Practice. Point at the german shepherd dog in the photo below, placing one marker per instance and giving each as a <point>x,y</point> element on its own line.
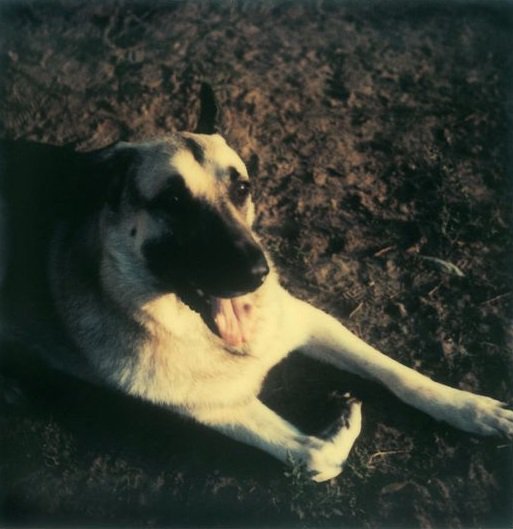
<point>152,281</point>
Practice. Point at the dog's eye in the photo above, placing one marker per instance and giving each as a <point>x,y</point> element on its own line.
<point>239,191</point>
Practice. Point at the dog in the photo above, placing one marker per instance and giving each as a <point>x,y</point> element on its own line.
<point>143,272</point>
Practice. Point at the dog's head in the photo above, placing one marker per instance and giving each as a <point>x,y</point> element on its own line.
<point>181,208</point>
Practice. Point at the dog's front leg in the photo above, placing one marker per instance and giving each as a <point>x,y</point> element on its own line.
<point>324,338</point>
<point>255,424</point>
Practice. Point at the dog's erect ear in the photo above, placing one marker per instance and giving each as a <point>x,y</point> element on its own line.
<point>209,117</point>
<point>108,170</point>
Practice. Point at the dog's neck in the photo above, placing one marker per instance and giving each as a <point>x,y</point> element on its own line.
<point>129,287</point>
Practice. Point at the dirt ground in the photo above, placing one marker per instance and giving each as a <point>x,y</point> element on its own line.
<point>377,135</point>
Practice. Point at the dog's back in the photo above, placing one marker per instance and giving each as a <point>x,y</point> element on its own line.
<point>36,188</point>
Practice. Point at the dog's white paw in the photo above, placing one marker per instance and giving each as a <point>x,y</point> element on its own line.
<point>328,456</point>
<point>481,415</point>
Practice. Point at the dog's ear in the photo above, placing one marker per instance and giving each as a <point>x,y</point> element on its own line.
<point>107,171</point>
<point>210,114</point>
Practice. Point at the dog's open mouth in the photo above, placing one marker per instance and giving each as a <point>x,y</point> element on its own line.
<point>234,318</point>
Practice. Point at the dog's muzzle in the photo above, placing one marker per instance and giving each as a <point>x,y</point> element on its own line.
<point>235,273</point>
<point>248,278</point>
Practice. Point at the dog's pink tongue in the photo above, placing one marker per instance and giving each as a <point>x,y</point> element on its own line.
<point>234,319</point>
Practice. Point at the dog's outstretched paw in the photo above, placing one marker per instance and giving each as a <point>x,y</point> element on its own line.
<point>491,417</point>
<point>328,457</point>
<point>481,415</point>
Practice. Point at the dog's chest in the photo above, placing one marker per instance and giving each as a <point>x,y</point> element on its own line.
<point>184,362</point>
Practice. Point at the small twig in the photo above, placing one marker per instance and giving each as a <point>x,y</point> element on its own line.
<point>356,309</point>
<point>383,251</point>
<point>434,289</point>
<point>496,298</point>
<point>383,453</point>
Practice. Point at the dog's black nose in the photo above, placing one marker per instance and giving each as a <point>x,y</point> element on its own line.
<point>260,269</point>
<point>251,263</point>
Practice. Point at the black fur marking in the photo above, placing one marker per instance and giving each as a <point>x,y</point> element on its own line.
<point>334,427</point>
<point>197,150</point>
<point>201,246</point>
<point>234,174</point>
<point>342,421</point>
<point>108,172</point>
<point>174,199</point>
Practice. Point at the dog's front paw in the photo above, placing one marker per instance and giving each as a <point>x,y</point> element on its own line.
<point>481,415</point>
<point>327,458</point>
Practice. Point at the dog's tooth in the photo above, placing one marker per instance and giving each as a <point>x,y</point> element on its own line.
<point>222,325</point>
